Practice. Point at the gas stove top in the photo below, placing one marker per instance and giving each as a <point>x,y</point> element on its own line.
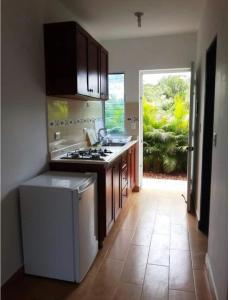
<point>88,154</point>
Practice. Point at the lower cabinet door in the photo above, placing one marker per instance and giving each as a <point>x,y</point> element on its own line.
<point>133,167</point>
<point>116,189</point>
<point>109,199</point>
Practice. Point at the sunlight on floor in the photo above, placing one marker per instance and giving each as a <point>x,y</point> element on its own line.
<point>165,184</point>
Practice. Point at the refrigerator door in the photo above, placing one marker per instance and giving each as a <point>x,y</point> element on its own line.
<point>47,231</point>
<point>85,229</point>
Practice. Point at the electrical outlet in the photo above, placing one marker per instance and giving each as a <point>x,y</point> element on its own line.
<point>57,135</point>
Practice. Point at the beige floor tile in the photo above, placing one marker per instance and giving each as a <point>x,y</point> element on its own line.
<point>179,242</point>
<point>159,257</point>
<point>128,291</point>
<point>162,224</point>
<point>83,289</point>
<point>135,265</point>
<point>120,246</point>
<point>179,229</point>
<point>142,236</point>
<point>159,250</point>
<point>106,281</point>
<point>155,283</point>
<point>160,241</point>
<point>131,221</point>
<point>181,275</point>
<point>181,295</point>
<point>201,285</point>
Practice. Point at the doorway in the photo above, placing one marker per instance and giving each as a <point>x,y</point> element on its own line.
<point>208,137</point>
<point>167,125</point>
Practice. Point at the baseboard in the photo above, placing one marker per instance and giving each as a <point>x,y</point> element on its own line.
<point>16,276</point>
<point>211,278</point>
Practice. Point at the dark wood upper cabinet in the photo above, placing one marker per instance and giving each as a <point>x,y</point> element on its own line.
<point>103,74</point>
<point>94,68</point>
<point>82,63</point>
<point>73,62</point>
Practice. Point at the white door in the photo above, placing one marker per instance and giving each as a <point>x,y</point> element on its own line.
<point>85,218</point>
<point>140,176</point>
<point>191,139</point>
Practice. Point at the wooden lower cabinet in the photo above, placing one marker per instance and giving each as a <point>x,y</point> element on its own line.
<point>132,158</point>
<point>113,194</point>
<point>116,189</point>
<point>109,199</point>
<point>131,165</point>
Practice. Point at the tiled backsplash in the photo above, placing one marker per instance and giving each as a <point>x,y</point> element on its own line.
<point>70,118</point>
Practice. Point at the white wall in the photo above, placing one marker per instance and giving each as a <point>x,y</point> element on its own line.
<point>24,140</point>
<point>160,52</point>
<point>214,23</point>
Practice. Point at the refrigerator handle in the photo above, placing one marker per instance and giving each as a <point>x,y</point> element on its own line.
<point>84,187</point>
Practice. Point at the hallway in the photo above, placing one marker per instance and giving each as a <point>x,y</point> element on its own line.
<point>154,251</point>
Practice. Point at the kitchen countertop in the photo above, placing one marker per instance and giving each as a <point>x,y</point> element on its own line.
<point>116,152</point>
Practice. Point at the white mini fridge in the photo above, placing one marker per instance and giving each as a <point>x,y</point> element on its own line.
<point>59,224</point>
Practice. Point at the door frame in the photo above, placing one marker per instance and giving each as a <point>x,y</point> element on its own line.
<point>141,73</point>
<point>208,135</point>
<point>192,142</point>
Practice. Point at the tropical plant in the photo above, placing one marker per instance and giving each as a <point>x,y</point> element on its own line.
<point>165,125</point>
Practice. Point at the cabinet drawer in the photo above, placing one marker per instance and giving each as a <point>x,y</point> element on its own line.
<point>124,195</point>
<point>124,178</point>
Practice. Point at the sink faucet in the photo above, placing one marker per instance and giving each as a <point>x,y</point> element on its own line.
<point>100,136</point>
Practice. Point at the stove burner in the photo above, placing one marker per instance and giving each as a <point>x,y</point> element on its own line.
<point>87,154</point>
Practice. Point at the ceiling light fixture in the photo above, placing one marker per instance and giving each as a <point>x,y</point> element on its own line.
<point>138,15</point>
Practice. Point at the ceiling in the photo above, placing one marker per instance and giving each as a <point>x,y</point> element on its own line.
<point>114,19</point>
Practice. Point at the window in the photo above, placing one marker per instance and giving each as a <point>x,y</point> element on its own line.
<point>114,107</point>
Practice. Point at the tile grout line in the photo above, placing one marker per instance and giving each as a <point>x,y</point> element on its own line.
<point>170,237</point>
<point>190,251</point>
<point>131,205</point>
<point>109,249</point>
<point>153,229</point>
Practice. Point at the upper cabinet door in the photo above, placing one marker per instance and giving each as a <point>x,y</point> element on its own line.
<point>60,57</point>
<point>82,63</point>
<point>93,68</point>
<point>72,61</point>
<point>103,74</point>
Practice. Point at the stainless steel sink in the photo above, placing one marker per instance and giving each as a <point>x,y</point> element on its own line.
<point>115,144</point>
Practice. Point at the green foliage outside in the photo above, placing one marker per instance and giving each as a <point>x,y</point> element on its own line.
<point>114,107</point>
<point>165,121</point>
